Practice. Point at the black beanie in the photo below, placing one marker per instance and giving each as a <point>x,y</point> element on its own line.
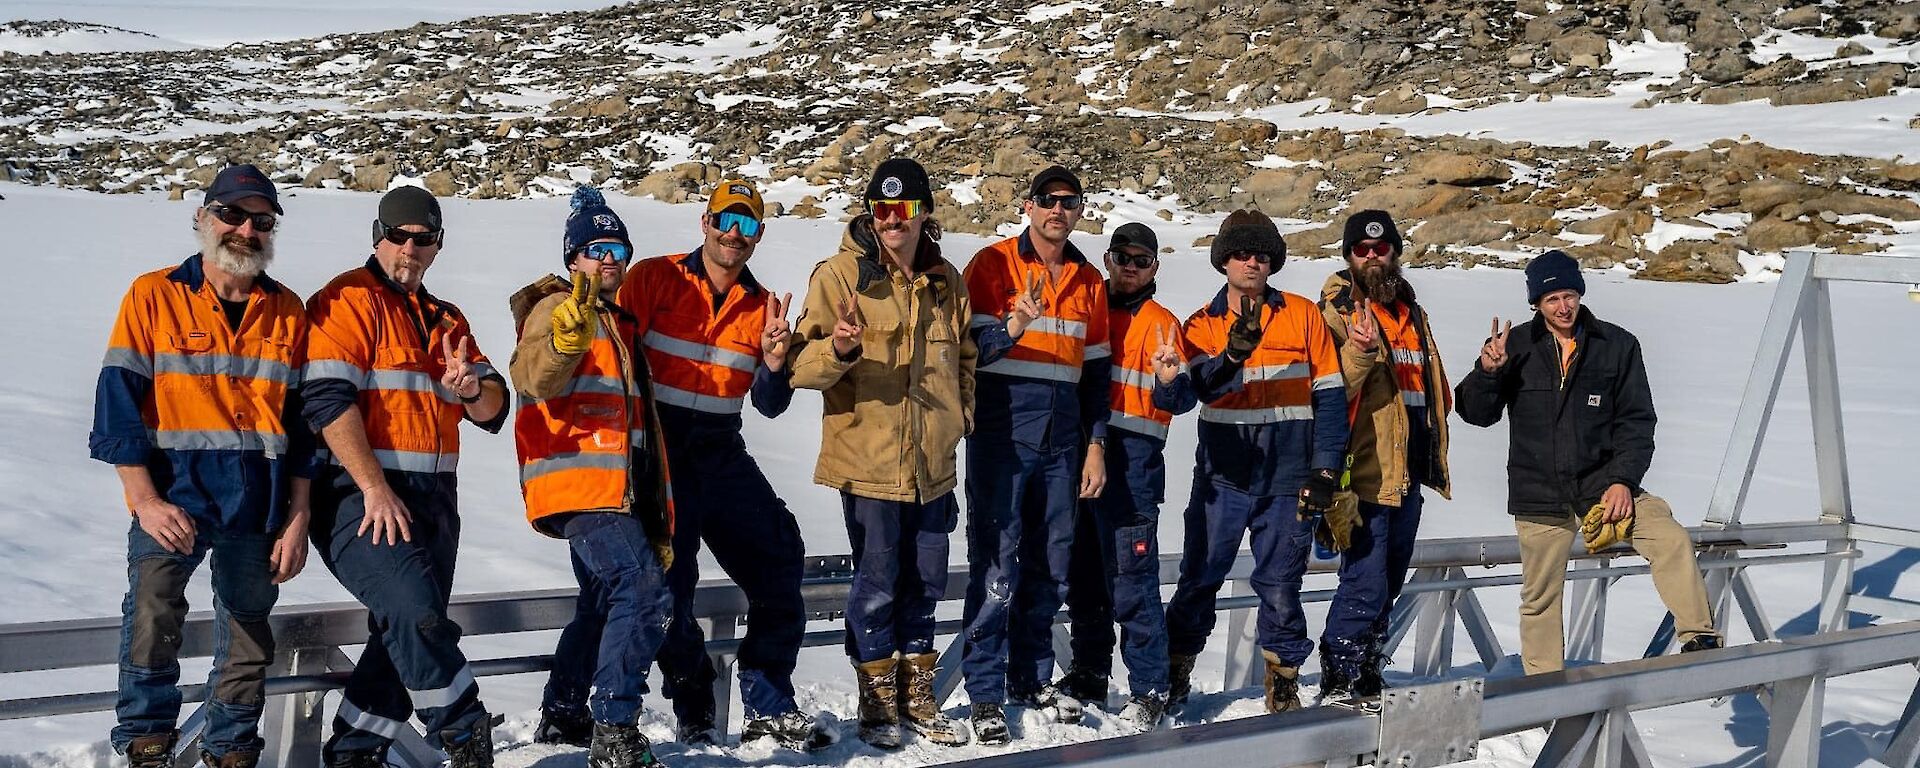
<point>407,205</point>
<point>1248,230</point>
<point>1553,271</point>
<point>1370,224</point>
<point>900,179</point>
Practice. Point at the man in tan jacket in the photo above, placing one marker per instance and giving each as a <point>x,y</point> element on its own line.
<point>883,337</point>
<point>1397,399</point>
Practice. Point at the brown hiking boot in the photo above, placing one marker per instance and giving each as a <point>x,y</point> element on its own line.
<point>235,759</point>
<point>921,712</point>
<point>1283,685</point>
<point>152,751</point>
<point>1180,677</point>
<point>879,702</point>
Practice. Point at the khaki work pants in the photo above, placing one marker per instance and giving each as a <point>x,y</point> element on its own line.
<point>1546,541</point>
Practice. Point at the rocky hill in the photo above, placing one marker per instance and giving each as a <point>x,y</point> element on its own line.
<point>1172,101</point>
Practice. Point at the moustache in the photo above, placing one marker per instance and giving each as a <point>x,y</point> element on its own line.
<point>238,242</point>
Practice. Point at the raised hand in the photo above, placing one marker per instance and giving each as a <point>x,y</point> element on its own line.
<point>846,329</point>
<point>576,321</point>
<point>1493,354</point>
<point>458,376</point>
<point>775,331</point>
<point>1027,307</point>
<point>1364,331</point>
<point>1166,356</point>
<point>1244,335</point>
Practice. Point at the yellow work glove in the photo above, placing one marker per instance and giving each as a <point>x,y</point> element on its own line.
<point>1336,528</point>
<point>575,322</point>
<point>1601,534</point>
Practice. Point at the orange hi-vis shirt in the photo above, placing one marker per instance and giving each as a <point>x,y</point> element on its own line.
<point>1402,336</point>
<point>379,343</point>
<point>576,447</point>
<point>1031,389</point>
<point>1136,336</point>
<point>211,411</point>
<point>705,362</point>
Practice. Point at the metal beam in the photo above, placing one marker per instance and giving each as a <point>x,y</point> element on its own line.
<point>1823,397</point>
<point>1865,269</point>
<point>1763,387</point>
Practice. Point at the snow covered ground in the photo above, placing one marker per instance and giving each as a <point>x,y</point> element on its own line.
<point>62,531</point>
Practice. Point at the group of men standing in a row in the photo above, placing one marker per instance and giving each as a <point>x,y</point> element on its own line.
<point>1316,421</point>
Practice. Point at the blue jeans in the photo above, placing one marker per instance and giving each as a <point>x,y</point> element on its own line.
<point>152,614</point>
<point>1372,572</point>
<point>619,620</point>
<point>899,573</point>
<point>1020,504</point>
<point>1216,518</point>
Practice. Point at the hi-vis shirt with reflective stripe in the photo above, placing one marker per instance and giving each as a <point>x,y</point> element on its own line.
<point>702,360</point>
<point>1409,360</point>
<point>1033,390</point>
<point>212,412</point>
<point>1136,336</point>
<point>375,345</point>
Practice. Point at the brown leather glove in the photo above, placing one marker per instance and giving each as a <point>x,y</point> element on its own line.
<point>1335,531</point>
<point>1599,533</point>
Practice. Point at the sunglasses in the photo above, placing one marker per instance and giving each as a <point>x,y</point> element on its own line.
<point>233,217</point>
<point>1069,202</point>
<point>894,209</point>
<point>1135,260</point>
<point>1376,249</point>
<point>399,236</point>
<point>603,252</point>
<point>1258,256</point>
<point>725,220</point>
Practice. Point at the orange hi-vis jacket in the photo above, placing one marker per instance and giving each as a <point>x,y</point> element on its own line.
<point>1136,336</point>
<point>1049,387</point>
<point>1266,422</point>
<point>213,413</point>
<point>704,362</point>
<point>375,345</point>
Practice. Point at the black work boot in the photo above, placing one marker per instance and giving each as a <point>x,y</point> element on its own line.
<point>569,727</point>
<point>1180,677</point>
<point>990,724</point>
<point>792,729</point>
<point>1087,684</point>
<point>471,747</point>
<point>619,746</point>
<point>1704,642</point>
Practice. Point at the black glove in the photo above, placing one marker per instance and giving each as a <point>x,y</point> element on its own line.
<point>1244,335</point>
<point>1316,497</point>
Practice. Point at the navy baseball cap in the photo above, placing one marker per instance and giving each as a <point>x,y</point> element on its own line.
<point>237,182</point>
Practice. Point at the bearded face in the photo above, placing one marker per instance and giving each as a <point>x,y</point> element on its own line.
<point>235,253</point>
<point>1375,267</point>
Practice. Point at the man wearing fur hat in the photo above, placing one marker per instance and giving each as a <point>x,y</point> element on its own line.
<point>883,336</point>
<point>592,472</point>
<point>1581,421</point>
<point>1397,392</point>
<point>1273,433</point>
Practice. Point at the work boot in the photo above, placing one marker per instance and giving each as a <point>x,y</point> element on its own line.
<point>569,727</point>
<point>1337,674</point>
<point>1066,709</point>
<point>234,759</point>
<point>919,709</point>
<point>879,702</point>
<point>1180,677</point>
<point>1702,642</point>
<point>358,758</point>
<point>470,748</point>
<point>1145,711</point>
<point>154,750</point>
<point>990,724</point>
<point>695,733</point>
<point>619,746</point>
<point>1369,683</point>
<point>1085,683</point>
<point>1283,685</point>
<point>792,729</point>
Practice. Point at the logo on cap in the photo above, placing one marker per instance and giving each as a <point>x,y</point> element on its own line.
<point>1374,229</point>
<point>741,190</point>
<point>607,222</point>
<point>892,187</point>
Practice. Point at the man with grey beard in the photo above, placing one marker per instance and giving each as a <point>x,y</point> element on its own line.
<point>198,409</point>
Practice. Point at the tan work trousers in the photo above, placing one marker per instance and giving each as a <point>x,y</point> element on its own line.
<point>1546,541</point>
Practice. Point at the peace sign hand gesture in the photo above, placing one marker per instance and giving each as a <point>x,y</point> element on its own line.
<point>1493,354</point>
<point>1166,357</point>
<point>1364,331</point>
<point>458,376</point>
<point>846,329</point>
<point>1028,306</point>
<point>775,332</point>
<point>1244,335</point>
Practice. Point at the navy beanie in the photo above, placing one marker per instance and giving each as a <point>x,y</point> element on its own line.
<point>1553,271</point>
<point>591,220</point>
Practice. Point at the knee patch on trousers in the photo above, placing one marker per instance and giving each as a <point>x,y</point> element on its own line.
<point>159,610</point>
<point>243,674</point>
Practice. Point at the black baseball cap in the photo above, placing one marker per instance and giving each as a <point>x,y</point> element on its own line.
<point>238,182</point>
<point>1057,173</point>
<point>1135,234</point>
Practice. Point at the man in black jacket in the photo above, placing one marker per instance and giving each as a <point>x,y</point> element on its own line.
<point>1581,439</point>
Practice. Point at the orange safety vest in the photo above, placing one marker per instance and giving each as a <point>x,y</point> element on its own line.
<point>370,332</point>
<point>700,359</point>
<point>1295,357</point>
<point>1073,327</point>
<point>1137,335</point>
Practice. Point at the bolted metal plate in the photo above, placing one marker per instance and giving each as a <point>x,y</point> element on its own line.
<point>1430,725</point>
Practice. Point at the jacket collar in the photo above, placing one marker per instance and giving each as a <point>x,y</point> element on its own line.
<point>192,273</point>
<point>1218,307</point>
<point>696,266</point>
<point>1130,302</point>
<point>1070,252</point>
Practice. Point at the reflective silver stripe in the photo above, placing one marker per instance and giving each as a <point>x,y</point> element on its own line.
<point>484,369</point>
<point>1132,378</point>
<point>403,461</point>
<point>334,369</point>
<point>218,440</point>
<point>1413,399</point>
<point>566,461</point>
<point>1272,415</point>
<point>369,722</point>
<point>1058,326</point>
<point>701,353</point>
<point>698,402</point>
<point>121,357</point>
<point>1028,369</point>
<point>595,385</point>
<point>1132,423</point>
<point>409,381</point>
<point>1330,381</point>
<point>1097,351</point>
<point>1409,356</point>
<point>981,321</point>
<point>1275,372</point>
<point>225,365</point>
<point>445,695</point>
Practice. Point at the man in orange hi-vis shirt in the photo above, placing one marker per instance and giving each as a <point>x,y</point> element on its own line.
<point>1273,432</point>
<point>1040,324</point>
<point>391,372</point>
